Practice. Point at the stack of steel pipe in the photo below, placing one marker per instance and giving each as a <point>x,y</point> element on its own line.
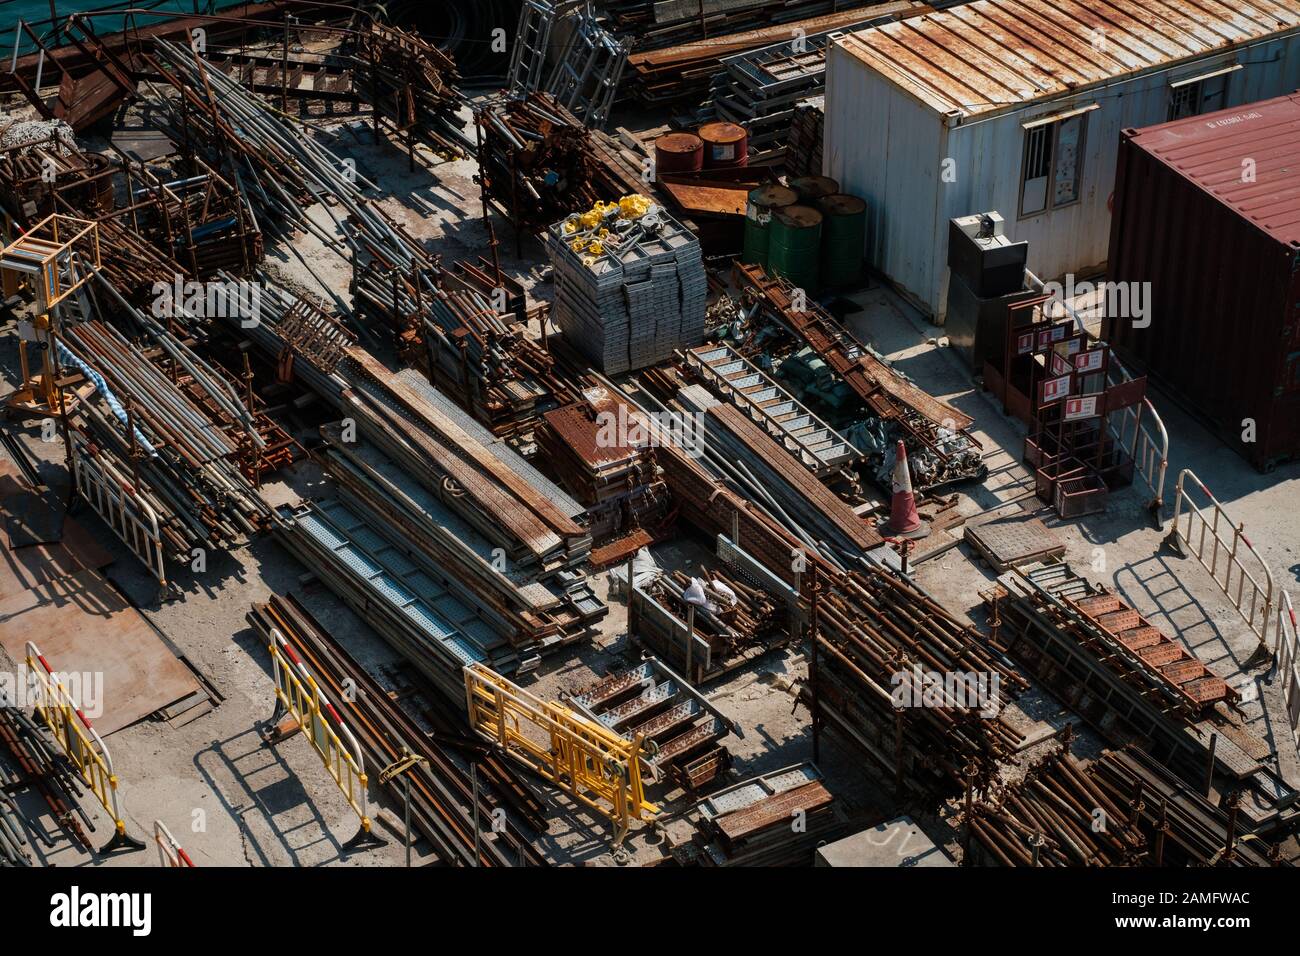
<point>488,821</point>
<point>1056,815</point>
<point>165,423</point>
<point>46,773</point>
<point>1183,827</point>
<point>901,678</point>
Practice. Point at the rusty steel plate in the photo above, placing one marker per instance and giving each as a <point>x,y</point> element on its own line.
<point>1158,655</point>
<point>1118,621</point>
<point>1140,637</point>
<point>1099,604</point>
<point>1010,542</point>
<point>1207,690</point>
<point>83,626</point>
<point>1183,672</point>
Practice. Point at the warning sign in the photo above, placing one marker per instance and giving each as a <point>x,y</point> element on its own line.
<point>1053,389</point>
<point>1081,406</point>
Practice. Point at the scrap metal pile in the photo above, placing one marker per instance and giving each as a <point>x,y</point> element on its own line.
<point>733,623</point>
<point>886,658</point>
<point>446,801</point>
<point>538,163</point>
<point>890,406</point>
<point>413,85</point>
<point>615,476</point>
<point>748,824</point>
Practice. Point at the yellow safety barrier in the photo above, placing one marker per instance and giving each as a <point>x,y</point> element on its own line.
<point>79,741</point>
<point>587,760</point>
<point>170,852</point>
<point>298,696</point>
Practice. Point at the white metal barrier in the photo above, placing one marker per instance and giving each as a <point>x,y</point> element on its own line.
<point>299,696</point>
<point>1140,431</point>
<point>1288,667</point>
<point>1216,543</point>
<point>84,748</point>
<point>170,852</point>
<point>129,515</point>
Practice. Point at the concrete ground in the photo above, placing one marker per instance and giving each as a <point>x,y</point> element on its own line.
<point>231,801</point>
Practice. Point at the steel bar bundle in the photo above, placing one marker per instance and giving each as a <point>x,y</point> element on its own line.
<point>402,418</point>
<point>442,790</point>
<point>1056,815</point>
<point>902,679</point>
<point>485,360</point>
<point>170,427</point>
<point>42,769</point>
<point>1183,827</point>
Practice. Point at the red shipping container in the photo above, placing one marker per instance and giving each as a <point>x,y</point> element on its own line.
<point>1207,210</point>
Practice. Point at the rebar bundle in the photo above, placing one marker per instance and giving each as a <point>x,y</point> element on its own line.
<point>918,691</point>
<point>1057,815</point>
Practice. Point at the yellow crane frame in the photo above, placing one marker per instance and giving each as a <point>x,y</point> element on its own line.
<point>587,760</point>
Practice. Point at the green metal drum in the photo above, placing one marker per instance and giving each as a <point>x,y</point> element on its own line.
<point>844,240</point>
<point>794,246</point>
<point>813,188</point>
<point>763,200</point>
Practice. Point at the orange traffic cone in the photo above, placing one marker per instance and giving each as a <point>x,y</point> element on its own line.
<point>903,520</point>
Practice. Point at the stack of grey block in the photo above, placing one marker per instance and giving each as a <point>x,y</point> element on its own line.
<point>638,301</point>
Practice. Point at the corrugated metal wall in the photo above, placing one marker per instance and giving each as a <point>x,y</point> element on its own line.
<point>887,147</point>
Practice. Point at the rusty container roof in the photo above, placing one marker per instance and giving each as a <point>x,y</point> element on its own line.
<point>994,55</point>
<point>1215,151</point>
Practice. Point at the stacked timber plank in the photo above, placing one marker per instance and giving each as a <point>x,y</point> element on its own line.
<point>630,286</point>
<point>803,153</point>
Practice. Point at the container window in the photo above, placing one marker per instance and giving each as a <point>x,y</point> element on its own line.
<point>1053,165</point>
<point>1203,96</point>
<point>1038,163</point>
